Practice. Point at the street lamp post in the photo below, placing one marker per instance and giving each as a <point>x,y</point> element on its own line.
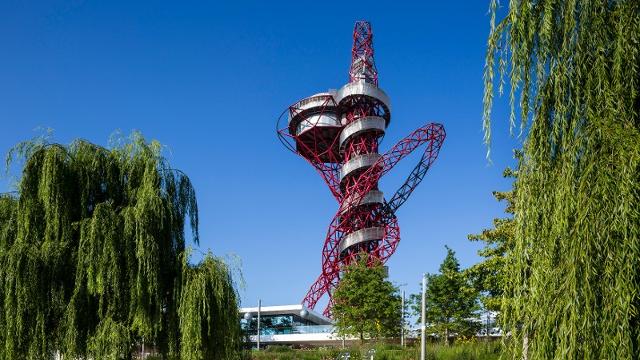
<point>402,315</point>
<point>402,323</point>
<point>259,310</point>
<point>423,342</point>
<point>249,317</point>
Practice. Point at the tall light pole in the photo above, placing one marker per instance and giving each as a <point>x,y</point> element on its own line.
<point>423,342</point>
<point>402,323</point>
<point>402,316</point>
<point>249,317</point>
<point>259,310</point>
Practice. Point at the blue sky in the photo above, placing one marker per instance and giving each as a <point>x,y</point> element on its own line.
<point>208,80</point>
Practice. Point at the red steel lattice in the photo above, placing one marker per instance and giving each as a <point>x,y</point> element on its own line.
<point>338,133</point>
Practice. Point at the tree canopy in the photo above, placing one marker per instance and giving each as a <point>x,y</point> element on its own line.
<point>366,304</point>
<point>451,302</point>
<point>573,279</point>
<point>93,260</point>
<point>487,276</point>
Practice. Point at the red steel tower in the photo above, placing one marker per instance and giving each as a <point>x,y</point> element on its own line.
<point>338,132</point>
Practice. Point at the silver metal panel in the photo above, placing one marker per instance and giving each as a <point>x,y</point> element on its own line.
<point>372,197</point>
<point>358,162</point>
<point>368,123</point>
<point>314,317</point>
<point>323,119</point>
<point>360,236</point>
<point>363,88</point>
<point>320,101</point>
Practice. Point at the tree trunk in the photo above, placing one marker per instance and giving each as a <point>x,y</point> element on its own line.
<point>525,346</point>
<point>446,336</point>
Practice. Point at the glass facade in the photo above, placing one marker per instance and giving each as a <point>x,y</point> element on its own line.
<point>282,324</point>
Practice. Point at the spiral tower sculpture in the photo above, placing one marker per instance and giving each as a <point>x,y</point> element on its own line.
<point>338,132</point>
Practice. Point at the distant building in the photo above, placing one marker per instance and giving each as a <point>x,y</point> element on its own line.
<point>293,325</point>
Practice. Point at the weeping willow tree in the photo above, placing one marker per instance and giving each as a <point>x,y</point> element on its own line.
<point>93,260</point>
<point>207,294</point>
<point>573,278</point>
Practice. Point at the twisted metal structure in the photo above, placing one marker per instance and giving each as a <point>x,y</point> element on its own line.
<point>338,132</point>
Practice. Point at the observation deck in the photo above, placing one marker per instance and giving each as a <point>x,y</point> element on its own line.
<point>315,124</point>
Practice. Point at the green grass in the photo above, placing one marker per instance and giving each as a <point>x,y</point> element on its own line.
<point>461,351</point>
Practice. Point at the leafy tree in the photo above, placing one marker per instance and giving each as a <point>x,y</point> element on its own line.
<point>93,261</point>
<point>366,304</point>
<point>573,279</point>
<point>208,312</point>
<point>487,276</point>
<point>451,302</point>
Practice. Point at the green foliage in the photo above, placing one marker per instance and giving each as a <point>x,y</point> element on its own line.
<point>209,322</point>
<point>366,304</point>
<point>487,276</point>
<point>468,350</point>
<point>573,279</point>
<point>278,348</point>
<point>451,302</point>
<point>286,353</point>
<point>92,255</point>
<point>474,350</point>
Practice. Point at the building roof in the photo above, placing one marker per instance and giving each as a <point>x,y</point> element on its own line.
<point>295,309</point>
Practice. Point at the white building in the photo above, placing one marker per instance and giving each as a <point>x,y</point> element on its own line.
<point>293,325</point>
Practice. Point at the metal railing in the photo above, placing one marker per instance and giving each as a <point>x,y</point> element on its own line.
<point>296,329</point>
<point>313,329</point>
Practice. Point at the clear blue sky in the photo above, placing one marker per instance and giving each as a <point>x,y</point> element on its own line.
<point>209,80</point>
